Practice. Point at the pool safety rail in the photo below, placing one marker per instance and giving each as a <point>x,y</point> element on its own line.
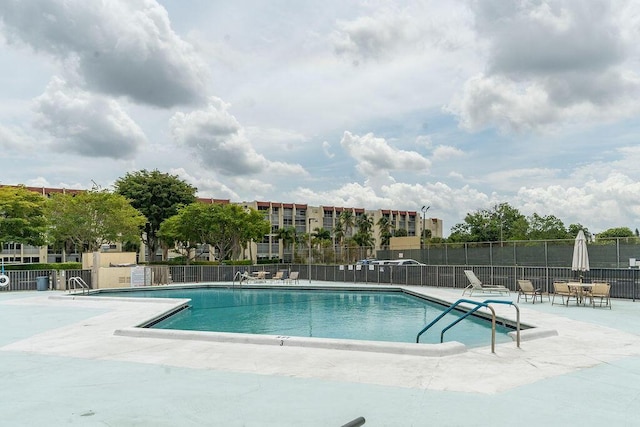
<point>477,306</point>
<point>77,282</point>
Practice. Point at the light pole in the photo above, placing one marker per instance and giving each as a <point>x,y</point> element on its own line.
<point>424,217</point>
<point>310,220</point>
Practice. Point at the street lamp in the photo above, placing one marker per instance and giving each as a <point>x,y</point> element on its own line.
<point>310,220</point>
<point>424,217</point>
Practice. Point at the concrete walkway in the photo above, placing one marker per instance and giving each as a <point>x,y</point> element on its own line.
<point>61,363</point>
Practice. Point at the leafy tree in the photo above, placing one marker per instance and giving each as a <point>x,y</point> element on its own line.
<point>92,218</point>
<point>256,226</point>
<point>573,229</point>
<point>547,227</point>
<point>157,196</point>
<point>364,236</point>
<point>502,222</point>
<point>616,232</point>
<point>226,227</point>
<point>22,216</point>
<point>181,231</point>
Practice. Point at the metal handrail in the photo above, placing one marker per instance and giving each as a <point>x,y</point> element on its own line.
<point>355,423</point>
<point>497,301</point>
<point>80,282</point>
<point>477,305</point>
<point>470,312</point>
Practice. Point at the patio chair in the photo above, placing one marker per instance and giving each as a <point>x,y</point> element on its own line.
<point>279,275</point>
<point>476,285</point>
<point>600,290</point>
<point>293,277</point>
<point>261,276</point>
<point>563,290</point>
<point>526,289</point>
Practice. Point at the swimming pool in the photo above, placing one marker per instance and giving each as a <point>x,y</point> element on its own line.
<point>372,315</point>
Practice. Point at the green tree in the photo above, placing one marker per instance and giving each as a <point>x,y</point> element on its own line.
<point>502,222</point>
<point>385,231</point>
<point>573,229</point>
<point>92,218</point>
<point>157,196</point>
<point>181,232</point>
<point>320,235</point>
<point>226,227</point>
<point>616,232</point>
<point>364,236</point>
<point>22,216</point>
<point>289,237</point>
<point>348,222</point>
<point>256,226</point>
<point>547,227</point>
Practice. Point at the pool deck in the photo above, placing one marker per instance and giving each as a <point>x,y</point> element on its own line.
<point>61,363</point>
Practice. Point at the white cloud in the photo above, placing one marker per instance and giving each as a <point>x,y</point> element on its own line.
<point>16,139</point>
<point>326,148</point>
<point>86,124</point>
<point>445,152</point>
<point>207,187</point>
<point>117,47</point>
<point>376,156</point>
<point>550,63</point>
<point>221,145</point>
<point>393,31</point>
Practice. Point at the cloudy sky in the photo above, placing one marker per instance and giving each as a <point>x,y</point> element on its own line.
<point>459,105</point>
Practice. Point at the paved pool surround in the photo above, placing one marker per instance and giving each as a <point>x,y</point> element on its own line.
<point>67,361</point>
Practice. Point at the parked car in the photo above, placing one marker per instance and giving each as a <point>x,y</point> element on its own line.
<point>404,262</point>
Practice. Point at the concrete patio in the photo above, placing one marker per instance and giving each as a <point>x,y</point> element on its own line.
<point>61,364</point>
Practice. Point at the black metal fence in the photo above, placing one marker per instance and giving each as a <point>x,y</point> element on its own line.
<point>624,281</point>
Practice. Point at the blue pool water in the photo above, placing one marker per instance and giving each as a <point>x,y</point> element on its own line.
<point>359,315</point>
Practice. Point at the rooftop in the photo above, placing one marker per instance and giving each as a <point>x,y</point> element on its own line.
<point>61,364</point>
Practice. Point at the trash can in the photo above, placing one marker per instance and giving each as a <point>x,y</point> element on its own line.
<point>42,283</point>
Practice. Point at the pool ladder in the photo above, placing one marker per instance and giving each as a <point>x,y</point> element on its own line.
<point>238,276</point>
<point>77,282</point>
<point>477,306</point>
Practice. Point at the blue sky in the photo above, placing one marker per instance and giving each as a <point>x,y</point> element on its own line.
<point>459,105</point>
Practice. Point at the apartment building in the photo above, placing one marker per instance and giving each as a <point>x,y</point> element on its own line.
<point>304,218</point>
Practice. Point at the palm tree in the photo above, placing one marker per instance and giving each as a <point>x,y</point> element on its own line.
<point>386,231</point>
<point>348,222</point>
<point>320,234</point>
<point>289,237</point>
<point>364,236</point>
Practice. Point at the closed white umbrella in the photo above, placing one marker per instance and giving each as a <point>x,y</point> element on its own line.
<point>580,260</point>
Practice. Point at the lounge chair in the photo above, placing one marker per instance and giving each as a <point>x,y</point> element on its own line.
<point>602,291</point>
<point>563,290</point>
<point>477,286</point>
<point>261,276</point>
<point>279,275</point>
<point>526,289</point>
<point>293,277</point>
